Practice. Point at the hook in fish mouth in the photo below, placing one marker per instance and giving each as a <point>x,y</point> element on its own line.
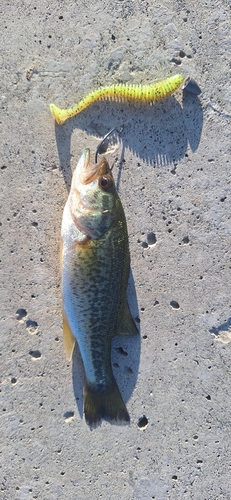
<point>85,173</point>
<point>104,139</point>
<point>90,173</point>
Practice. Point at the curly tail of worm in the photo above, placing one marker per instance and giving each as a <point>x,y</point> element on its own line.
<point>121,92</point>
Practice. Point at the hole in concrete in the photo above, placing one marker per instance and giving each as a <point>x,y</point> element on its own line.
<point>31,326</point>
<point>35,354</point>
<point>174,304</point>
<point>21,313</point>
<point>120,350</point>
<point>128,371</point>
<point>142,422</point>
<point>176,61</point>
<point>151,239</point>
<point>69,415</point>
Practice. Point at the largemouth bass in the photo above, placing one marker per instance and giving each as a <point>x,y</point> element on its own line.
<point>95,265</point>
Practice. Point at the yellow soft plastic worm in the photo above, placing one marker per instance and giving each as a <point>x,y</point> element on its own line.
<point>121,92</point>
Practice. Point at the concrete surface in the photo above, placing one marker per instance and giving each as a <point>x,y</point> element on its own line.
<point>173,167</point>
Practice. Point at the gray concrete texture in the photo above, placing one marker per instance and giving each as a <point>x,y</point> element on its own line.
<point>172,164</point>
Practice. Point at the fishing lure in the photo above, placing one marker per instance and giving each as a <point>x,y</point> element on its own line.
<point>121,92</point>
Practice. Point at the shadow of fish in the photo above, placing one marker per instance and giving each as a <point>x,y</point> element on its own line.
<point>95,266</point>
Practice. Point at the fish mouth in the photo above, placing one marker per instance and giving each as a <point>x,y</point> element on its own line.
<point>88,173</point>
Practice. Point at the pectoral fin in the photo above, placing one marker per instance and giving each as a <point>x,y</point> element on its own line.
<point>127,325</point>
<point>68,338</point>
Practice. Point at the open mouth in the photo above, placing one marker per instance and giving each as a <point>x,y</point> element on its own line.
<point>90,173</point>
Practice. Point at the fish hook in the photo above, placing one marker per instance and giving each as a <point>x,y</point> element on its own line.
<point>104,139</point>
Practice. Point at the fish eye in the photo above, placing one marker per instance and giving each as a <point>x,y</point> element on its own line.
<point>105,182</point>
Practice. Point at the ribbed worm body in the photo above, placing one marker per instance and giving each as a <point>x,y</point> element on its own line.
<point>121,92</point>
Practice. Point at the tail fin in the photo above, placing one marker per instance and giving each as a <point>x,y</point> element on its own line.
<point>106,404</point>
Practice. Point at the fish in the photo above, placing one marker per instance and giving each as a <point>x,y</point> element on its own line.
<point>121,92</point>
<point>95,265</point>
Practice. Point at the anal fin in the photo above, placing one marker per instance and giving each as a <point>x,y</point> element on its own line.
<point>68,338</point>
<point>127,325</point>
